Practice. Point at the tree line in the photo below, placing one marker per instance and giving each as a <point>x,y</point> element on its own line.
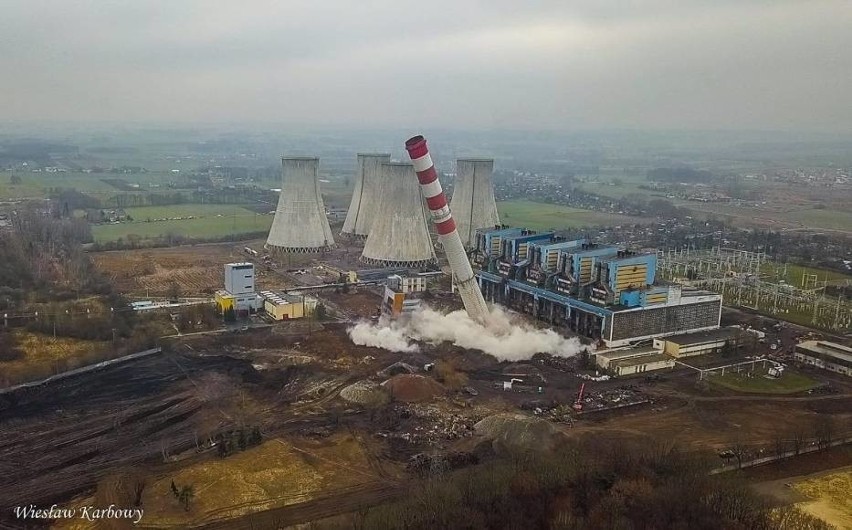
<point>591,483</point>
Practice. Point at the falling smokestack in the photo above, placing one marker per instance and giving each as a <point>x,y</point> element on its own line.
<point>473,203</point>
<point>362,208</point>
<point>300,224</point>
<point>446,227</point>
<point>399,236</point>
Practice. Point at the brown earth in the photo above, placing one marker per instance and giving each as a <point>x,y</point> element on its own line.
<point>197,269</point>
<point>412,388</point>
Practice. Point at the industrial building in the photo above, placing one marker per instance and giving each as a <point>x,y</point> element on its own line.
<point>704,342</point>
<point>473,203</point>
<point>629,361</point>
<point>399,235</point>
<point>826,355</point>
<point>287,306</point>
<point>364,204</point>
<point>300,224</point>
<point>397,301</point>
<point>239,292</point>
<point>408,284</point>
<point>602,292</point>
<point>239,278</point>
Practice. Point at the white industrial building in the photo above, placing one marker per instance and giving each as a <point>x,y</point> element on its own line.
<point>701,342</point>
<point>826,355</point>
<point>239,278</point>
<point>407,284</point>
<point>239,292</point>
<point>628,361</point>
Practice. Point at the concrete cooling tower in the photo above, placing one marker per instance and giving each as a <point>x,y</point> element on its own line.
<point>300,224</point>
<point>473,203</point>
<point>399,236</point>
<point>362,208</point>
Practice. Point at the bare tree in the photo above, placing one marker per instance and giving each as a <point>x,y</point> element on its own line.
<point>185,496</point>
<point>780,445</point>
<point>739,450</point>
<point>823,429</point>
<point>797,439</point>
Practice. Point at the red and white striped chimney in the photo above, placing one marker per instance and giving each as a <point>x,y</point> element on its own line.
<point>472,298</point>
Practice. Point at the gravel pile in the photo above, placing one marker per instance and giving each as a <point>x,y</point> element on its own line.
<point>365,393</point>
<point>518,430</point>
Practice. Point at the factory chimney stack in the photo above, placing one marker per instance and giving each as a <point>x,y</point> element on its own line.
<point>471,296</point>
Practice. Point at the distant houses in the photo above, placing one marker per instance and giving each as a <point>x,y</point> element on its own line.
<point>95,215</point>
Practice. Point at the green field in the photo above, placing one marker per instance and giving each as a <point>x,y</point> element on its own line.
<point>540,216</point>
<point>789,383</point>
<point>792,273</point>
<point>210,220</point>
<point>820,218</point>
<point>619,182</point>
<point>36,184</point>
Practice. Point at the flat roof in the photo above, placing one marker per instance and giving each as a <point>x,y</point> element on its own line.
<point>829,349</point>
<point>684,292</point>
<point>641,360</point>
<point>281,298</point>
<point>614,355</point>
<point>704,337</point>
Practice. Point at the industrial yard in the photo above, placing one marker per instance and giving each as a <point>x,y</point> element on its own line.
<point>86,430</point>
<point>335,369</point>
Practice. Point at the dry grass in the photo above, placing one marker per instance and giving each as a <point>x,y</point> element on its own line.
<point>45,355</point>
<point>198,270</point>
<point>832,501</point>
<point>276,473</point>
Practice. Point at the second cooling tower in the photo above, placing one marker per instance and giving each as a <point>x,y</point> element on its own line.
<point>300,224</point>
<point>399,235</point>
<point>362,208</point>
<point>473,203</point>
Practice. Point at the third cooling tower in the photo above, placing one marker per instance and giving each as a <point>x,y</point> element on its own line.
<point>300,223</point>
<point>362,207</point>
<point>399,236</point>
<point>473,202</point>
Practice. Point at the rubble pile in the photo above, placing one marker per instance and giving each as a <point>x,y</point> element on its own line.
<point>433,464</point>
<point>623,396</point>
<point>551,410</point>
<point>563,364</point>
<point>396,369</point>
<point>429,424</point>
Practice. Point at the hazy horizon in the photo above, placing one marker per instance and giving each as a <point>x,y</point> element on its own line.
<point>555,66</point>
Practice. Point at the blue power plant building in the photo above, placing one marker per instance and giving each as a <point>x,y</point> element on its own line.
<point>605,293</point>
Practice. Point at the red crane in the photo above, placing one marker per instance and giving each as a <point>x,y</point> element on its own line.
<point>578,405</point>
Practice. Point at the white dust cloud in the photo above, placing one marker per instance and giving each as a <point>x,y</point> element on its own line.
<point>502,337</point>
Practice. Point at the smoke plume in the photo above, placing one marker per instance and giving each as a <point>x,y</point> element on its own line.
<point>503,337</point>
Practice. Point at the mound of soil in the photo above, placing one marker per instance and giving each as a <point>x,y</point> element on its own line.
<point>364,393</point>
<point>412,388</point>
<point>522,369</point>
<point>517,430</point>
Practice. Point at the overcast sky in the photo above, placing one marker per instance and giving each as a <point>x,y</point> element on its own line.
<point>561,64</point>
